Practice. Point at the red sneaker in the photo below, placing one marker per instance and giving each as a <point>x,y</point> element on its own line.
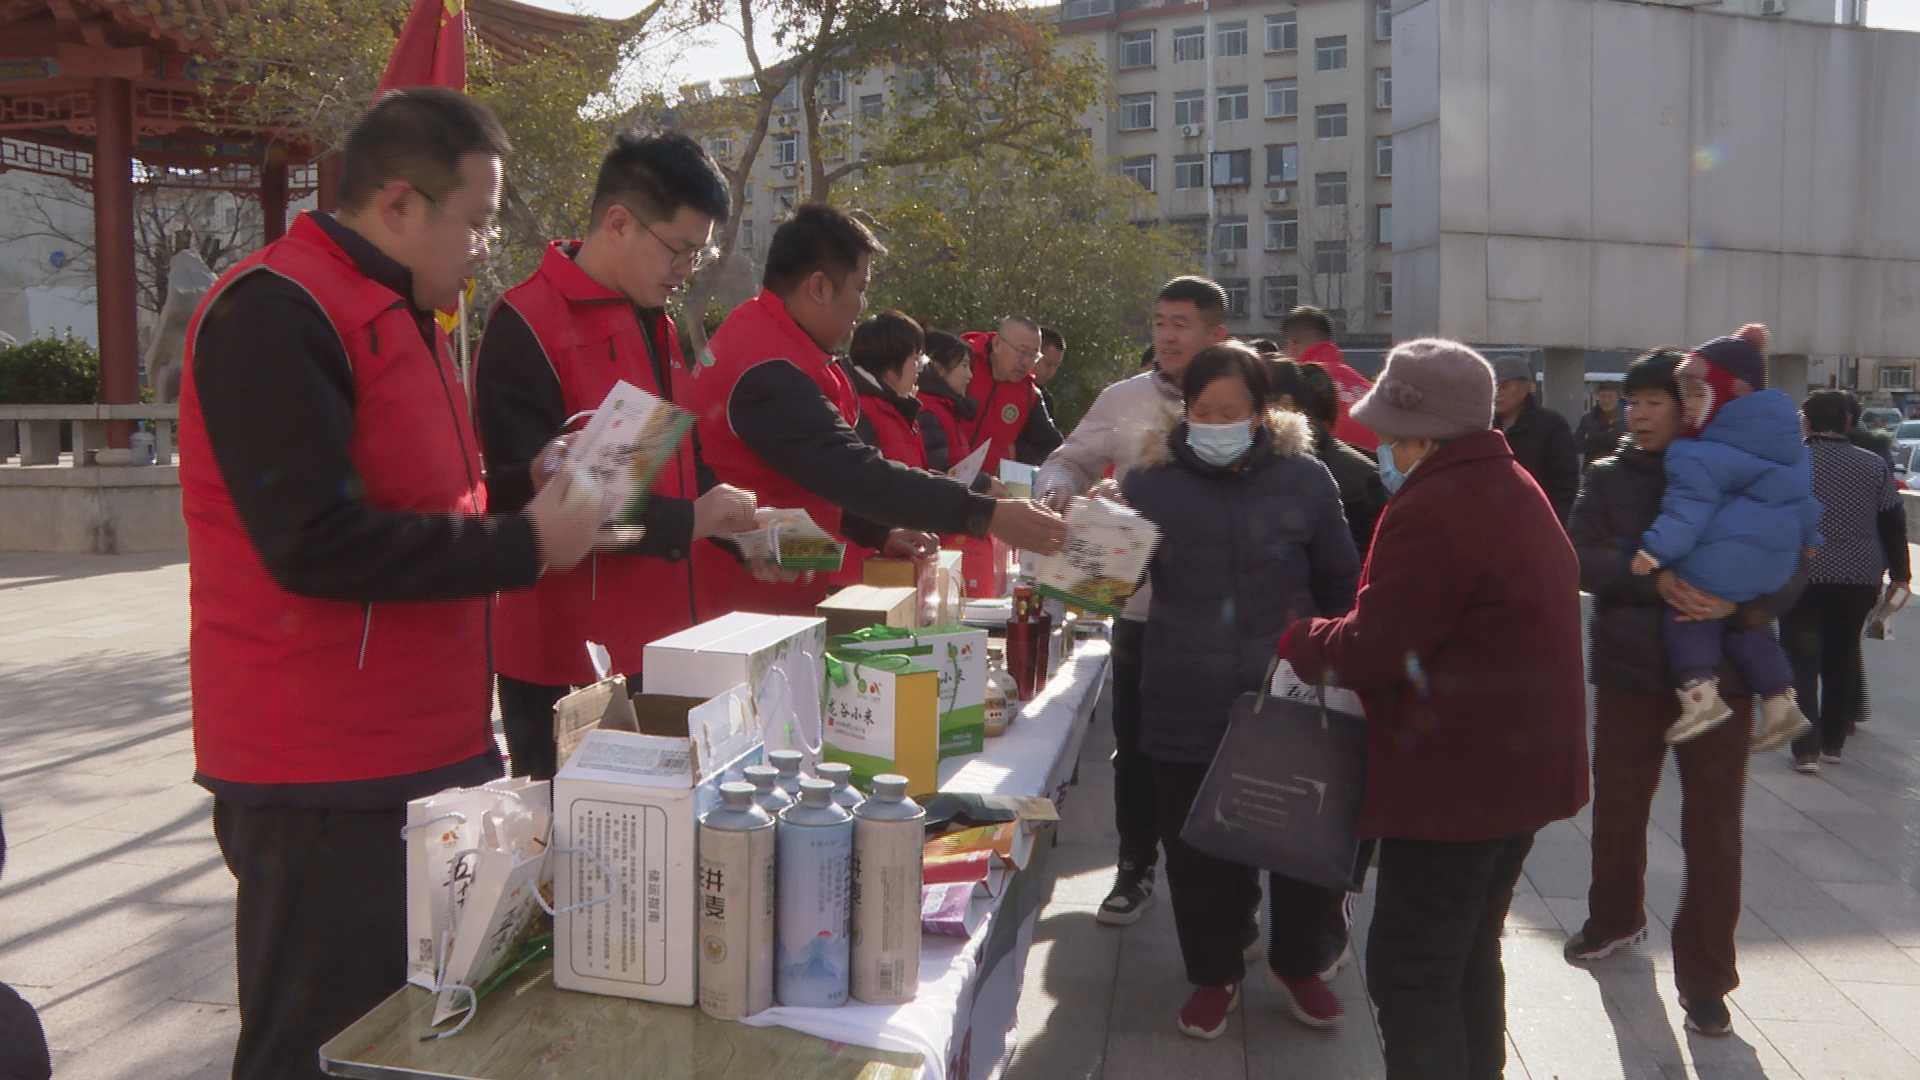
<point>1205,1014</point>
<point>1313,1002</point>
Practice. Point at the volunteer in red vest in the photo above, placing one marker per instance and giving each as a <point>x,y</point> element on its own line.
<point>776,417</point>
<point>947,412</point>
<point>590,316</point>
<point>340,563</point>
<point>1011,414</point>
<point>1307,337</point>
<point>883,361</point>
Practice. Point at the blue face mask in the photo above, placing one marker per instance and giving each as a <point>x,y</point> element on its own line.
<point>1220,444</point>
<point>1390,473</point>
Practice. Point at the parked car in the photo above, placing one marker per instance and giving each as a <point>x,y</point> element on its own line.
<point>1880,417</point>
<point>1905,438</point>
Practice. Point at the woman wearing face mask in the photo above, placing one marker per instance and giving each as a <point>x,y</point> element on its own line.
<point>1464,643</point>
<point>1251,539</point>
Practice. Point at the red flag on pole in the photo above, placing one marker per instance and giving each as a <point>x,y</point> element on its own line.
<point>432,50</point>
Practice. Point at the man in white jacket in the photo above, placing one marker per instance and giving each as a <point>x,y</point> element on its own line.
<point>1188,316</point>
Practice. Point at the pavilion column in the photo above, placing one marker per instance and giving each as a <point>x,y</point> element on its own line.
<point>273,200</point>
<point>113,249</point>
<point>327,199</point>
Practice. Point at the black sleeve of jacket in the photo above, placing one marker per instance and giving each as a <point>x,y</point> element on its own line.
<point>1604,556</point>
<point>1560,465</point>
<point>781,415</point>
<point>1893,537</point>
<point>521,408</point>
<point>276,395</point>
<point>1039,437</point>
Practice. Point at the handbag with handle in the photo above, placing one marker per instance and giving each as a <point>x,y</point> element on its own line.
<point>1285,789</point>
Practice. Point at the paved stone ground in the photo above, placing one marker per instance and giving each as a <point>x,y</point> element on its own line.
<point>115,910</point>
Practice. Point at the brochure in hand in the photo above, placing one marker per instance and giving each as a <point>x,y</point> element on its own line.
<point>616,460</point>
<point>1108,546</point>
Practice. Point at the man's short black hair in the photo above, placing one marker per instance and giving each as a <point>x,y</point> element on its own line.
<point>419,136</point>
<point>654,174</point>
<point>1146,357</point>
<point>1829,411</point>
<point>1310,319</point>
<point>1653,372</point>
<point>817,239</point>
<point>1204,294</point>
<point>884,343</point>
<point>947,351</point>
<point>1052,339</point>
<point>1229,359</point>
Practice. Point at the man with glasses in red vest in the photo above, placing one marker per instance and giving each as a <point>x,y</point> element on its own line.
<point>1013,414</point>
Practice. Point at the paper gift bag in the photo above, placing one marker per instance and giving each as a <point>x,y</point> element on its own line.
<point>495,889</point>
<point>959,655</point>
<point>441,829</point>
<point>883,716</point>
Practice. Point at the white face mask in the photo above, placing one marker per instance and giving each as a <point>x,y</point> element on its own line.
<point>1220,444</point>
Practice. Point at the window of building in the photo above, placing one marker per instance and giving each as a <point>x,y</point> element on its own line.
<point>1330,189</point>
<point>1382,20</point>
<point>1383,88</point>
<point>1189,171</point>
<point>1896,378</point>
<point>1232,168</point>
<point>831,88</point>
<point>721,148</point>
<point>1329,257</point>
<point>1330,53</point>
<point>1189,107</point>
<point>833,142</point>
<point>1237,290</point>
<point>1383,293</point>
<point>1136,49</point>
<point>919,82</point>
<point>746,234</point>
<point>1383,224</point>
<point>788,99</point>
<point>1283,32</point>
<point>1231,38</point>
<point>1231,104</point>
<point>1230,234</point>
<point>1139,170</point>
<point>1136,112</point>
<point>872,107</point>
<point>786,148</point>
<point>1283,98</point>
<point>1283,230</point>
<point>783,200</point>
<point>1190,43</point>
<point>1283,164</point>
<point>746,193</point>
<point>1085,9</point>
<point>1383,155</point>
<point>1330,121</point>
<point>1282,295</point>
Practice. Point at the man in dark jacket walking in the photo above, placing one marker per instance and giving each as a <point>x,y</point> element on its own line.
<point>1598,433</point>
<point>1634,706</point>
<point>1540,439</point>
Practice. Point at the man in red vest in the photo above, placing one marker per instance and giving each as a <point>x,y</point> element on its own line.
<point>1012,413</point>
<point>589,317</point>
<point>1307,336</point>
<point>776,417</point>
<point>341,560</point>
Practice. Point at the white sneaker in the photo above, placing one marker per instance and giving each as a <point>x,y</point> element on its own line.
<point>1781,722</point>
<point>1701,710</point>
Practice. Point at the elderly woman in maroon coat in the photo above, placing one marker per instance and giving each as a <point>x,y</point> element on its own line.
<point>1464,643</point>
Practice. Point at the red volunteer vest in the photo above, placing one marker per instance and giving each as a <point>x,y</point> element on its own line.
<point>592,340</point>
<point>291,690</point>
<point>1349,387</point>
<point>754,333</point>
<point>939,410</point>
<point>1003,406</point>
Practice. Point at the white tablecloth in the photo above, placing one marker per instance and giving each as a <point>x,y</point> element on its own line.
<point>960,1018</point>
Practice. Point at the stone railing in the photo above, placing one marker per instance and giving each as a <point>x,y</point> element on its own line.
<point>38,428</point>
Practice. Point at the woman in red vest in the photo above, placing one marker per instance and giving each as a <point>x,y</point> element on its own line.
<point>883,361</point>
<point>949,411</point>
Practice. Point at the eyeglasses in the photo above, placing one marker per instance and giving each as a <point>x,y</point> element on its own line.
<point>694,259</point>
<point>480,238</point>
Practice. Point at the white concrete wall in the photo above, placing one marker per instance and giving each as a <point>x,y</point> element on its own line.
<point>1615,175</point>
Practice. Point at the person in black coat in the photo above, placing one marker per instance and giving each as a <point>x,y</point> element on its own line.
<point>1541,441</point>
<point>1600,428</point>
<point>1308,389</point>
<point>1634,705</point>
<point>1252,537</point>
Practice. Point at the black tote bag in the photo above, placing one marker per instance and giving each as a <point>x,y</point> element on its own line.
<point>1284,790</point>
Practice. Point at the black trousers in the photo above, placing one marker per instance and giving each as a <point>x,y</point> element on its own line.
<point>1821,633</point>
<point>1433,955</point>
<point>526,712</point>
<point>320,927</point>
<point>1134,817</point>
<point>1214,900</point>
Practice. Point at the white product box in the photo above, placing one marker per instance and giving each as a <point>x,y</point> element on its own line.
<point>781,658</point>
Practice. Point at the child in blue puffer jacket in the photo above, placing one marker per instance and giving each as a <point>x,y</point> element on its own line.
<point>1737,517</point>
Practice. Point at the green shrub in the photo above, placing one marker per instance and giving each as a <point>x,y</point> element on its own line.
<point>50,371</point>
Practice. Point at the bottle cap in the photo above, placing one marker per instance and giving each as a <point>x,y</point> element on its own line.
<point>786,762</point>
<point>815,791</point>
<point>736,794</point>
<point>837,772</point>
<point>889,786</point>
<point>762,777</point>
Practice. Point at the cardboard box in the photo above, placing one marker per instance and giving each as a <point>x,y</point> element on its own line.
<point>633,801</point>
<point>959,654</point>
<point>883,716</point>
<point>779,657</point>
<point>858,606</point>
<point>921,575</point>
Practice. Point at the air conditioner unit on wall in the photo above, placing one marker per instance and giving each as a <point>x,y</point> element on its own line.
<point>1773,7</point>
<point>788,171</point>
<point>1279,194</point>
<point>1228,257</point>
<point>1193,131</point>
